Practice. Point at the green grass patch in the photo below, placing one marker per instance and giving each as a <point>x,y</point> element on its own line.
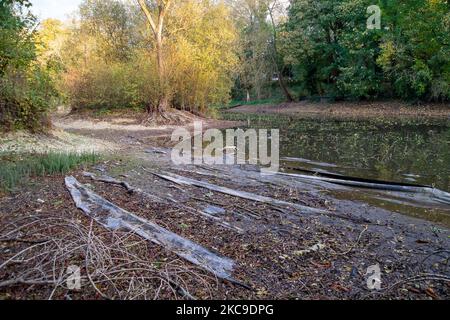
<point>15,168</point>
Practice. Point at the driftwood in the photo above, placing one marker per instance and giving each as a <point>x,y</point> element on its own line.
<point>111,216</point>
<point>174,202</point>
<point>236,193</point>
<point>322,164</point>
<point>436,194</point>
<point>108,179</point>
<point>156,150</point>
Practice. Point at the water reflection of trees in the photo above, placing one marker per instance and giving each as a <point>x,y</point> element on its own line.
<point>383,148</point>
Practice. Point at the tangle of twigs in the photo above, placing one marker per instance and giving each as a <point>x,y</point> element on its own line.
<point>113,264</point>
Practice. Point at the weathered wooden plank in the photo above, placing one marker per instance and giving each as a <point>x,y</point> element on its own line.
<point>436,194</point>
<point>236,193</point>
<point>130,189</point>
<point>111,216</point>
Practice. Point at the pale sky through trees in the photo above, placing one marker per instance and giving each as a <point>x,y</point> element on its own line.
<point>57,9</point>
<point>61,9</point>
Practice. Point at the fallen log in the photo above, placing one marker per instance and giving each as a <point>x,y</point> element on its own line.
<point>236,193</point>
<point>111,216</point>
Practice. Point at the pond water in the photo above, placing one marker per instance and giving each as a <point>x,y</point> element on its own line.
<point>413,151</point>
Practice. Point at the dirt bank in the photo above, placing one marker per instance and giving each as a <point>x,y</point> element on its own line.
<point>126,129</point>
<point>349,109</point>
<point>88,132</point>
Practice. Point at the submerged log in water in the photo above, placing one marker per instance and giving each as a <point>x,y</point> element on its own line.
<point>436,194</point>
<point>112,217</point>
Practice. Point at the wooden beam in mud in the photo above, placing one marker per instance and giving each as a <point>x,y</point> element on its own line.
<point>112,217</point>
<point>236,193</point>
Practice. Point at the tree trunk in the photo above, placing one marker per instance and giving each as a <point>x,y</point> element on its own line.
<point>279,69</point>
<point>159,56</point>
<point>283,87</point>
<point>157,29</point>
<point>163,100</point>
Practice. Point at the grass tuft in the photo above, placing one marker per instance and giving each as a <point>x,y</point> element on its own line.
<point>16,168</point>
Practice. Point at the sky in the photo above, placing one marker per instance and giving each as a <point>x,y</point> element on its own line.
<point>57,9</point>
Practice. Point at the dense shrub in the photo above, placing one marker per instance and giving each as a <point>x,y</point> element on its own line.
<point>26,90</point>
<point>25,99</point>
<point>102,85</point>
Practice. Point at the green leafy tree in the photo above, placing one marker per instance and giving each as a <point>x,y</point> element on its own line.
<point>332,53</point>
<point>256,66</point>
<point>113,24</point>
<point>192,67</point>
<point>26,90</point>
<point>330,48</point>
<point>16,45</point>
<point>415,51</point>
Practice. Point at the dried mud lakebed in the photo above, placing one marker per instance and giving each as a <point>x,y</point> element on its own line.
<point>285,236</point>
<point>206,231</point>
